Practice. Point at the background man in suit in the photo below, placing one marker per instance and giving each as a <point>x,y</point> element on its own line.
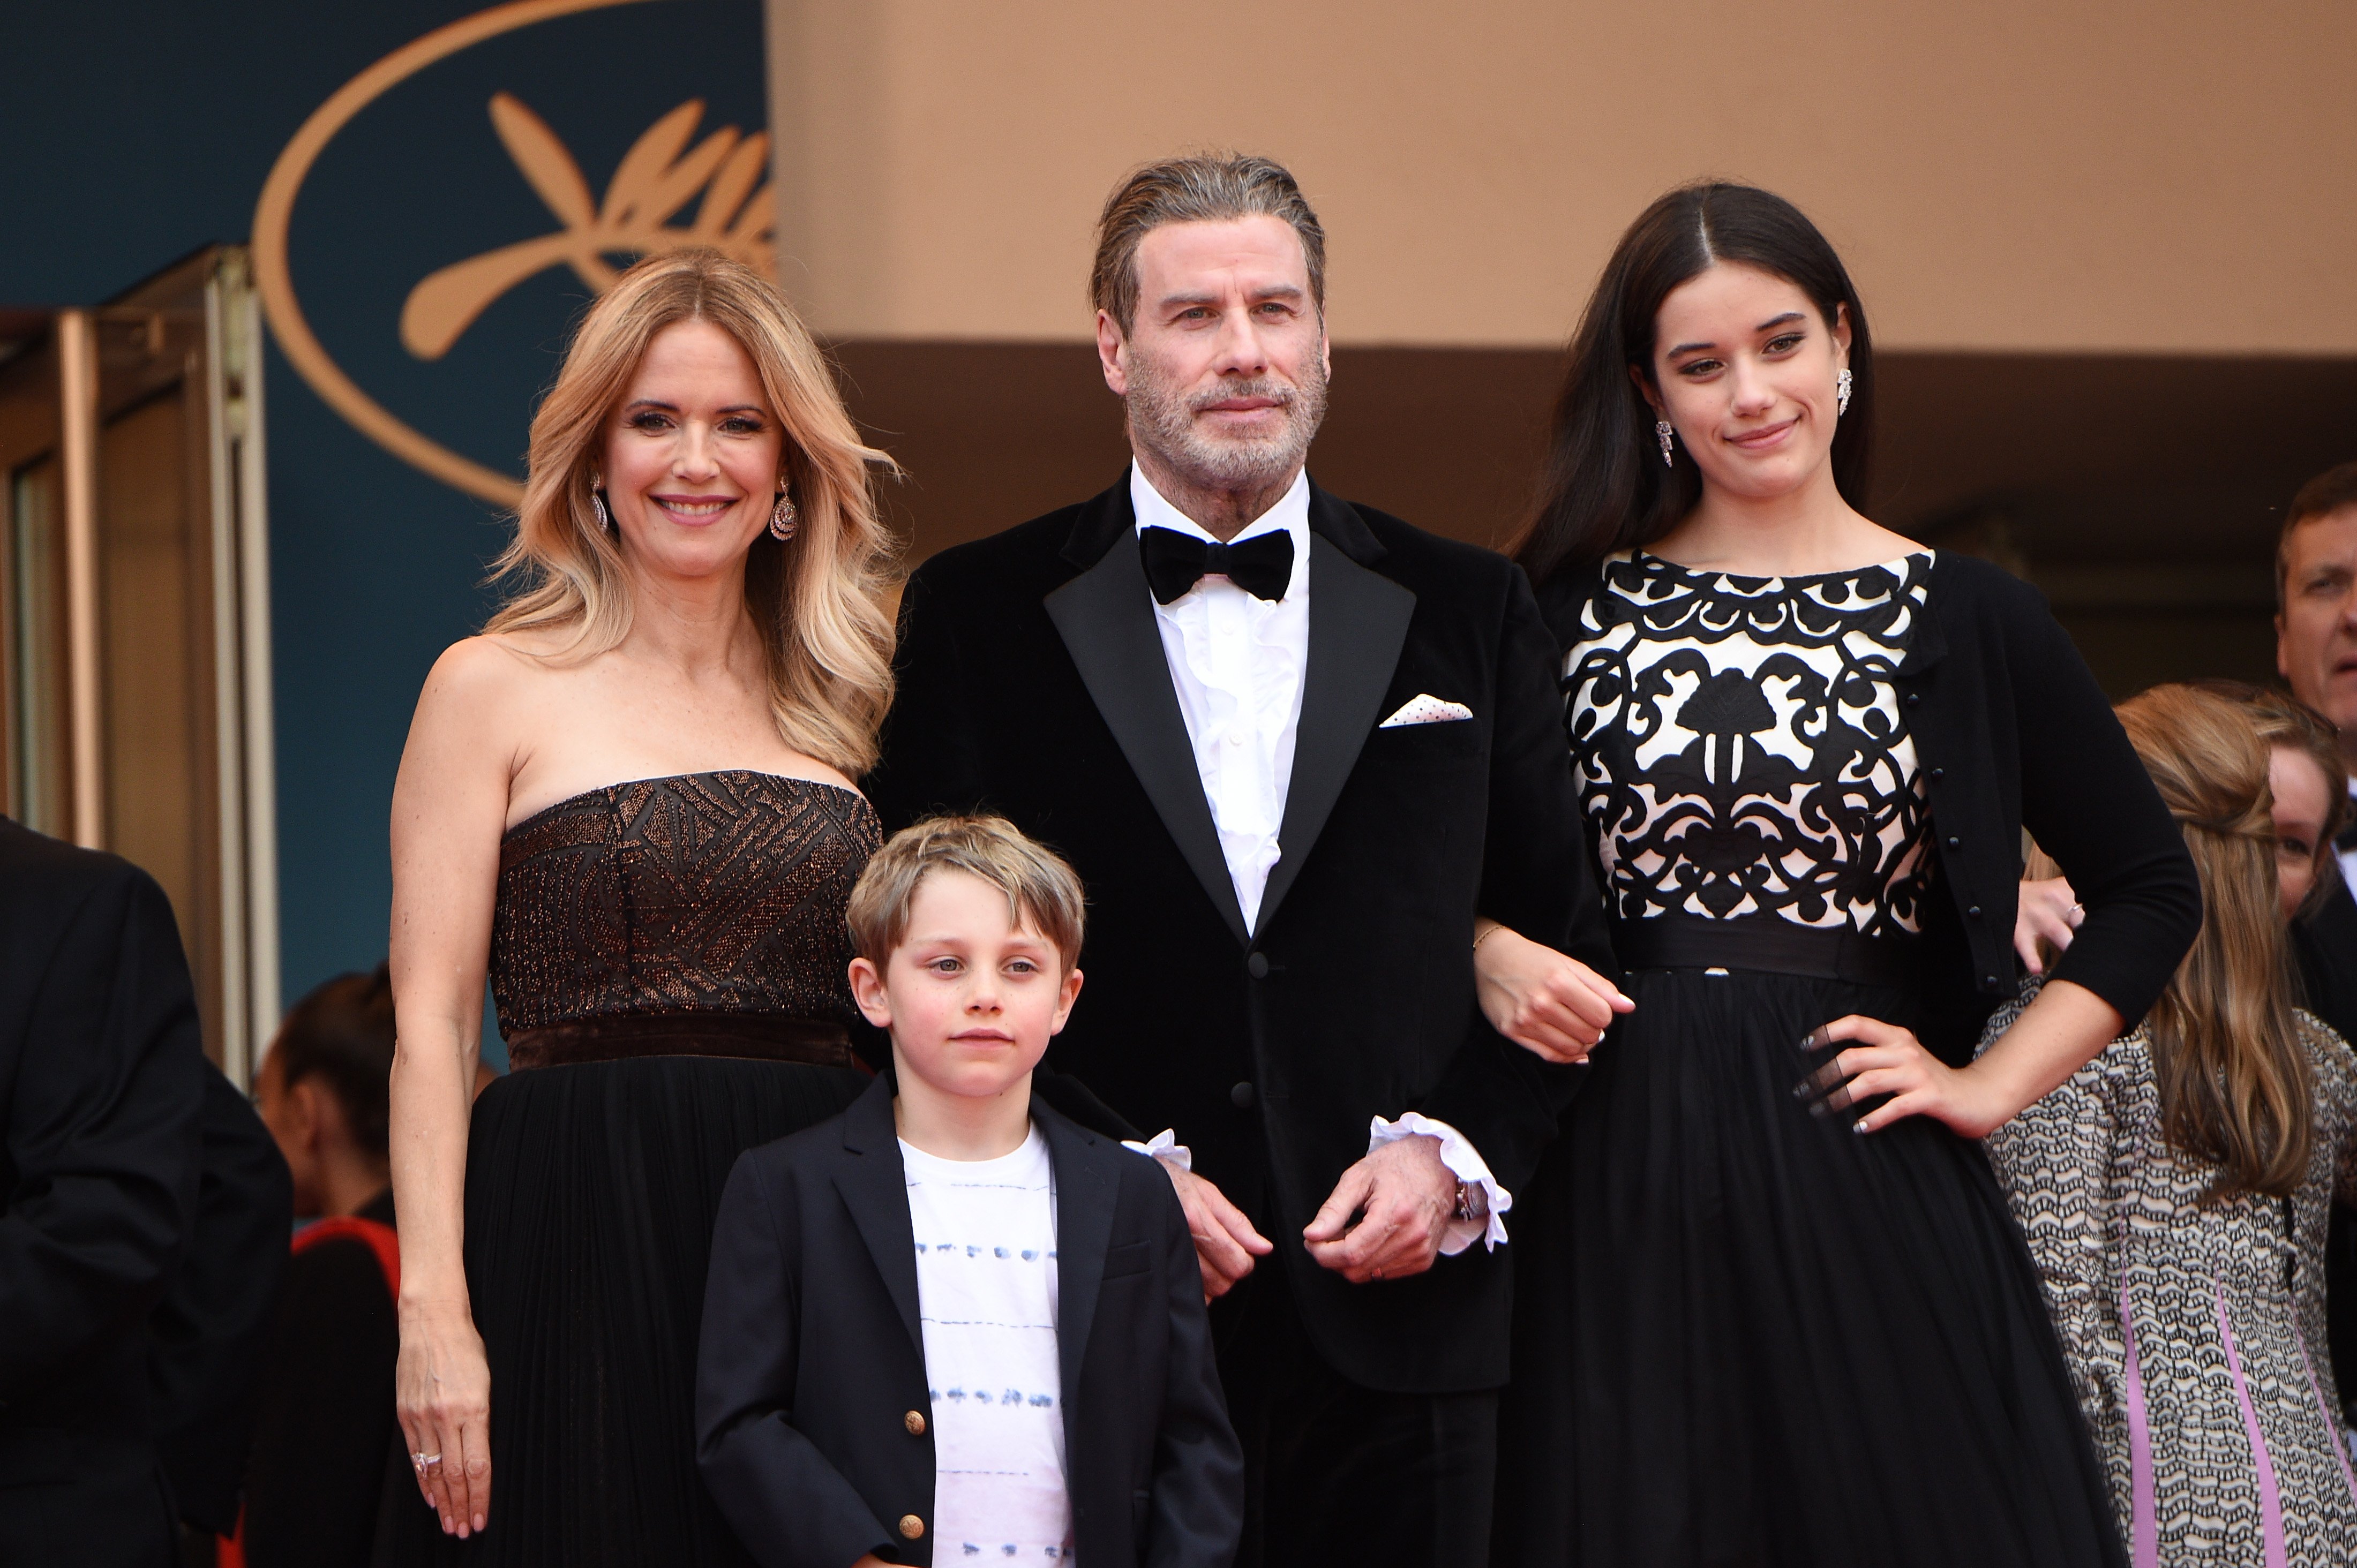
<point>1294,746</point>
<point>2316,653</point>
<point>102,1091</point>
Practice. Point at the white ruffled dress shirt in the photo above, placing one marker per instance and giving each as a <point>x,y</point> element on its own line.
<point>1236,663</point>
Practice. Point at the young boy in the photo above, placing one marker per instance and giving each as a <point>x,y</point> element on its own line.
<point>950,1325</point>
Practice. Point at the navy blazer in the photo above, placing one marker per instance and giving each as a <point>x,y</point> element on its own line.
<point>814,1425</point>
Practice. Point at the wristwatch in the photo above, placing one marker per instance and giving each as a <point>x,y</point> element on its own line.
<point>1472,1202</point>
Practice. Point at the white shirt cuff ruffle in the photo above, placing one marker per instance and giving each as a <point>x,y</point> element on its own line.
<point>1163,1146</point>
<point>1458,1153</point>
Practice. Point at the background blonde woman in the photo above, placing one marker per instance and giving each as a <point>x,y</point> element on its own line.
<point>630,800</point>
<point>2174,1195</point>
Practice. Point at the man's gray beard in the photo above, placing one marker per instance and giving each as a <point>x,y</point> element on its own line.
<point>1161,420</point>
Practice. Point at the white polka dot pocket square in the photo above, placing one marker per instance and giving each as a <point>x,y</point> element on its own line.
<point>1423,708</point>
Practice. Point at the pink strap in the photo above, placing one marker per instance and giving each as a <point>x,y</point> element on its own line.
<point>2271,1533</point>
<point>2144,1530</point>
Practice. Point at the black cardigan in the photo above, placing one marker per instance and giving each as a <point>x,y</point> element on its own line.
<point>2011,731</point>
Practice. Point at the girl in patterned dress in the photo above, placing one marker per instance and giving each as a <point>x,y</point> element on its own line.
<point>1770,1307</point>
<point>2174,1193</point>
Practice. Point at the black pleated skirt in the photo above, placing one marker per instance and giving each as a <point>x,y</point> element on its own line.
<point>590,1196</point>
<point>1745,1335</point>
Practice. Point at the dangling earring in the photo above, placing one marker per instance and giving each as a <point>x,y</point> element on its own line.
<point>781,516</point>
<point>1841,391</point>
<point>1663,431</point>
<point>597,505</point>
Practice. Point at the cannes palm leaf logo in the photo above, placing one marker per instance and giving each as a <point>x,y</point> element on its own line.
<point>658,178</point>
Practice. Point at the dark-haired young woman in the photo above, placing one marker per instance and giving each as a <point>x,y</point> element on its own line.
<point>1773,1309</point>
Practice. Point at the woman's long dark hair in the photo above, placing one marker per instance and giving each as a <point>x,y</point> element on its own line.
<point>1604,487</point>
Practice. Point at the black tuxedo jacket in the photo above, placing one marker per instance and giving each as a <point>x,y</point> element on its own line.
<point>1033,683</point>
<point>101,1085</point>
<point>812,1360</point>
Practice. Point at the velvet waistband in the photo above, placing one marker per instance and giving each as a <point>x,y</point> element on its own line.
<point>755,1036</point>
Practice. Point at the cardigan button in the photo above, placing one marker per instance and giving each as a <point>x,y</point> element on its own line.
<point>1973,913</point>
<point>911,1527</point>
<point>1990,981</point>
<point>1953,842</point>
<point>1938,774</point>
<point>915,1423</point>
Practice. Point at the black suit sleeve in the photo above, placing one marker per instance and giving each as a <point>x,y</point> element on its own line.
<point>205,1336</point>
<point>931,754</point>
<point>2088,802</point>
<point>790,1507</point>
<point>101,1133</point>
<point>1196,1516</point>
<point>1535,878</point>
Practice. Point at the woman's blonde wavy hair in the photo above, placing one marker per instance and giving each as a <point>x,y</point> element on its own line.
<point>2235,1082</point>
<point>819,600</point>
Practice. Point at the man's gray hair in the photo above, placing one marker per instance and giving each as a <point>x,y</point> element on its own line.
<point>1206,188</point>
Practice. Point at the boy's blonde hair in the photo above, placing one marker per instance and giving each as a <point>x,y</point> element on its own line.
<point>1042,890</point>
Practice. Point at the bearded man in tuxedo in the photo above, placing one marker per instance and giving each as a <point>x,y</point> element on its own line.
<point>1295,748</point>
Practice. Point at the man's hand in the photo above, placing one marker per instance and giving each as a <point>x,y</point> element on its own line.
<point>1403,1197</point>
<point>1225,1241</point>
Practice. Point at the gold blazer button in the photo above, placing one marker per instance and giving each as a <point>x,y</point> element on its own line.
<point>911,1527</point>
<point>914,1422</point>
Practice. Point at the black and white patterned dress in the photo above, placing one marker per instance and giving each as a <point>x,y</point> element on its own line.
<point>2194,1324</point>
<point>1744,1334</point>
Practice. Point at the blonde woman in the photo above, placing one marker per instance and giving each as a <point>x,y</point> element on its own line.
<point>629,804</point>
<point>2174,1194</point>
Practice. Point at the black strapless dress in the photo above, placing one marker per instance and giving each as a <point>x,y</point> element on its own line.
<point>668,958</point>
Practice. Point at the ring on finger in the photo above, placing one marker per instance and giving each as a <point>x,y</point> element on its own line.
<point>425,1461</point>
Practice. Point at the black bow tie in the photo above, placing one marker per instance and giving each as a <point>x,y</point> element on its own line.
<point>1175,561</point>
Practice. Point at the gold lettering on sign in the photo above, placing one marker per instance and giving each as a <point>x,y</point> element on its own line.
<point>657,178</point>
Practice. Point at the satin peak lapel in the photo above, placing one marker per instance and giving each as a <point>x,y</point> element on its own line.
<point>1358,623</point>
<point>1105,617</point>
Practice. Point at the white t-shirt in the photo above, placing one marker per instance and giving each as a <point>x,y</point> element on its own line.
<point>985,1233</point>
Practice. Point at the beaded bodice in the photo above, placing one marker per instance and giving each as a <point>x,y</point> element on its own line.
<point>707,892</point>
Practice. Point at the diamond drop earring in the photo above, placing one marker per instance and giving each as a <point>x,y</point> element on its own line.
<point>1841,391</point>
<point>781,516</point>
<point>597,504</point>
<point>1663,431</point>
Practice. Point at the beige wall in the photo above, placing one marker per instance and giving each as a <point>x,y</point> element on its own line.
<point>2126,175</point>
